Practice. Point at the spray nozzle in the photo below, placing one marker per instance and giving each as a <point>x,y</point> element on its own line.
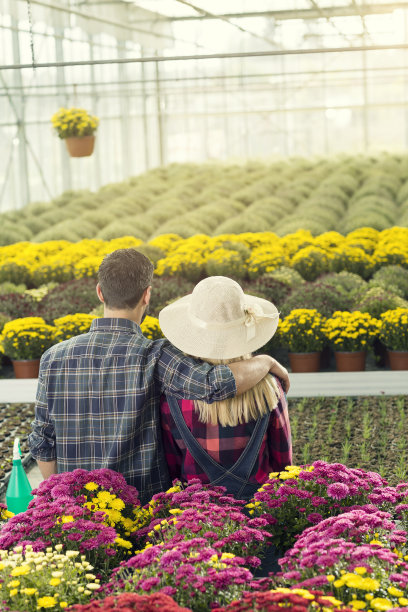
<point>16,449</point>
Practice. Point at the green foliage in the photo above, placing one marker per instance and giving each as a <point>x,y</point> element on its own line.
<point>124,206</point>
<point>10,287</point>
<point>58,272</point>
<point>311,262</point>
<point>166,290</point>
<point>14,272</point>
<point>3,320</point>
<point>292,223</point>
<point>38,208</point>
<point>57,232</point>
<point>66,196</point>
<point>352,259</point>
<point>33,223</point>
<point>17,305</point>
<point>225,262</point>
<point>269,288</point>
<point>348,284</point>
<point>9,234</point>
<point>377,300</point>
<point>403,220</point>
<point>392,276</point>
<point>152,252</point>
<point>342,193</point>
<point>99,221</point>
<point>245,222</point>
<point>111,191</point>
<point>324,299</point>
<point>376,220</point>
<point>242,249</point>
<point>402,194</point>
<point>126,226</point>
<point>77,295</point>
<point>288,276</point>
<point>175,227</point>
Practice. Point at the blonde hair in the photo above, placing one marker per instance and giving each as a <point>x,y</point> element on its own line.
<point>248,406</point>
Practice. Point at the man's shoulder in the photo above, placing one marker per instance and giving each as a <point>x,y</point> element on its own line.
<point>61,349</point>
<point>88,345</point>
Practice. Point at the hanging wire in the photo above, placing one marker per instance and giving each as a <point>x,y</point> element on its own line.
<point>30,22</point>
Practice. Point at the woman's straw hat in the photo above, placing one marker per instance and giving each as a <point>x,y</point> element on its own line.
<point>218,320</point>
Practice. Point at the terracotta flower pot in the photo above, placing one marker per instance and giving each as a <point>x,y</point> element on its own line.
<point>305,362</point>
<point>347,361</point>
<point>26,368</point>
<point>398,360</point>
<point>80,146</point>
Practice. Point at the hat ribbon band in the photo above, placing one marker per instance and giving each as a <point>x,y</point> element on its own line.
<point>249,320</point>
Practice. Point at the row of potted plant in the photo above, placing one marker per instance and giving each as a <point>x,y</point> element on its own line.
<point>305,332</point>
<point>350,334</point>
<point>24,340</point>
<point>86,544</point>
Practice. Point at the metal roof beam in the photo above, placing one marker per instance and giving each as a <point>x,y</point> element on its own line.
<point>227,21</point>
<point>309,13</point>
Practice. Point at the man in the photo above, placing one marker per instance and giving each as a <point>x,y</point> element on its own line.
<point>98,393</point>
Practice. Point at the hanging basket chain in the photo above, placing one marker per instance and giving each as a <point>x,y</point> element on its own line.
<point>30,22</point>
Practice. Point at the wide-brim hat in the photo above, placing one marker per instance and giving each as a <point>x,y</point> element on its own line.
<point>218,320</point>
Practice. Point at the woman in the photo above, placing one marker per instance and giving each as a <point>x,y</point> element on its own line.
<point>236,442</point>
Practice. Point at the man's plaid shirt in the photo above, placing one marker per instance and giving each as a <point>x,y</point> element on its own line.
<point>225,444</point>
<point>98,401</point>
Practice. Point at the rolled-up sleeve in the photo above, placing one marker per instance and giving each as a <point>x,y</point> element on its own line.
<point>186,378</point>
<point>41,440</point>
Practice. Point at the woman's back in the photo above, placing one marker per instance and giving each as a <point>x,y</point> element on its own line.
<point>225,444</point>
<point>235,442</point>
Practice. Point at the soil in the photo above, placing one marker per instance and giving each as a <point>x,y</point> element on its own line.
<point>15,422</point>
<point>366,432</point>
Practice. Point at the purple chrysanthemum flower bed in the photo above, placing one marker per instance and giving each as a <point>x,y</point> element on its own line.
<point>338,530</point>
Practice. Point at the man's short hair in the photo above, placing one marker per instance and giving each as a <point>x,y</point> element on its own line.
<point>123,276</point>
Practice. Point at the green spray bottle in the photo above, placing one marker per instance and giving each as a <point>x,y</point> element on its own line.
<point>18,494</point>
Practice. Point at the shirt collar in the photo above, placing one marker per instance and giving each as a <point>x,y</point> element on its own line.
<point>108,324</point>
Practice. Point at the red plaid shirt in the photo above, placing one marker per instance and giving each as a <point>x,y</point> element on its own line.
<point>225,444</point>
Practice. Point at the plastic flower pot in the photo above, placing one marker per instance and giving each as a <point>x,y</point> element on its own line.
<point>26,368</point>
<point>305,362</point>
<point>350,361</point>
<point>398,360</point>
<point>80,146</point>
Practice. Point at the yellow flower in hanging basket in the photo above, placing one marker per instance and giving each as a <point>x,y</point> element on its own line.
<point>74,122</point>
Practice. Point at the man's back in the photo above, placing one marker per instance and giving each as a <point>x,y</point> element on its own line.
<point>98,402</point>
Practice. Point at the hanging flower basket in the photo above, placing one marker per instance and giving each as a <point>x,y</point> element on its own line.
<point>77,127</point>
<point>80,146</point>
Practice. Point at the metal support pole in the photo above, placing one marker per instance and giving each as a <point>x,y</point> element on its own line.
<point>144,116</point>
<point>159,115</point>
<point>365,102</point>
<point>63,101</point>
<point>179,58</point>
<point>95,100</point>
<point>406,77</point>
<point>23,197</point>
<point>124,124</point>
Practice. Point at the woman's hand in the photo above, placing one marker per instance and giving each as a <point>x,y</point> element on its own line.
<point>278,370</point>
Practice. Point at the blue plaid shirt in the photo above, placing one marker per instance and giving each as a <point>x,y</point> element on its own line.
<point>98,401</point>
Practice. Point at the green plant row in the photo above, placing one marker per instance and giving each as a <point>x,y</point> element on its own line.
<point>342,193</point>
